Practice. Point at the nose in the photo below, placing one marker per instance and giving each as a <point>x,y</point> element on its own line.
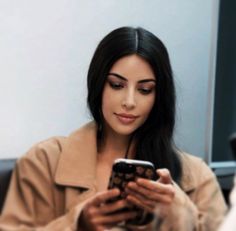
<point>129,100</point>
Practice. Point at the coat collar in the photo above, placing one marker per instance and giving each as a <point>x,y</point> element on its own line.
<point>190,166</point>
<point>77,163</point>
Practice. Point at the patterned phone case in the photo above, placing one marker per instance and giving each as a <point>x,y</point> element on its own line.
<point>126,170</point>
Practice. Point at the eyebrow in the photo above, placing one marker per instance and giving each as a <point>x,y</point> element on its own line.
<point>123,78</point>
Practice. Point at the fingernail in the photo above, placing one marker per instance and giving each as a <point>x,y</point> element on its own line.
<point>117,191</point>
<point>131,184</point>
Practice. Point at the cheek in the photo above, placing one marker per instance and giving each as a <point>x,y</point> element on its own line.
<point>105,107</point>
<point>148,105</point>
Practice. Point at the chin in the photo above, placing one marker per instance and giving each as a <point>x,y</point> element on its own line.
<point>125,131</point>
<point>121,129</point>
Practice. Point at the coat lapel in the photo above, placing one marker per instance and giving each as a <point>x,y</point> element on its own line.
<point>77,163</point>
<point>188,182</point>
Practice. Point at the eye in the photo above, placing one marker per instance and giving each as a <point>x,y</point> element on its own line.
<point>145,91</point>
<point>115,85</point>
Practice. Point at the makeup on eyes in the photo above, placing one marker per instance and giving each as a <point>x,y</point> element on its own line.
<point>144,86</point>
<point>115,84</point>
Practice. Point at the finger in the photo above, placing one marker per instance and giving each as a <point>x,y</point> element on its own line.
<point>139,191</point>
<point>104,196</point>
<point>148,184</point>
<point>164,175</point>
<point>113,206</point>
<point>151,186</point>
<point>151,196</point>
<point>115,218</point>
<point>139,203</point>
<point>144,199</point>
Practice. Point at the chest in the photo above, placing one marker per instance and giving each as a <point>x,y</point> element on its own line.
<point>103,173</point>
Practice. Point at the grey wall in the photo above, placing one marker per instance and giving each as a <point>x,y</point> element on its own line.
<point>46,47</point>
<point>225,84</point>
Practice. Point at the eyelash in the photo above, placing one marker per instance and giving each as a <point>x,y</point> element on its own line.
<point>145,91</point>
<point>115,85</point>
<point>118,86</point>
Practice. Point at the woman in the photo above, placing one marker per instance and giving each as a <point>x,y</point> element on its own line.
<point>61,183</point>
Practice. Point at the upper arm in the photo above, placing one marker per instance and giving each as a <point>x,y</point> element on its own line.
<point>30,198</point>
<point>208,198</point>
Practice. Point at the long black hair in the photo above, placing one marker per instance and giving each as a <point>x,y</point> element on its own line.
<point>155,137</point>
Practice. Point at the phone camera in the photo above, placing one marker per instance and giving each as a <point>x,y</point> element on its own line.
<point>124,167</point>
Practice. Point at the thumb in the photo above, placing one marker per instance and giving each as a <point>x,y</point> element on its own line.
<point>164,176</point>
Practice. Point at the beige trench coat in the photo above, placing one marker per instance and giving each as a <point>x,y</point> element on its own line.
<point>52,182</point>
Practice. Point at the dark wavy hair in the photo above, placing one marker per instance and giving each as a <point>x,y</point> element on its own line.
<point>155,137</point>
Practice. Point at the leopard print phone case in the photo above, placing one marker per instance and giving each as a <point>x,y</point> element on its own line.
<point>126,170</point>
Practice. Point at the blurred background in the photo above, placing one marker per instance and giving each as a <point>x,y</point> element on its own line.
<point>46,47</point>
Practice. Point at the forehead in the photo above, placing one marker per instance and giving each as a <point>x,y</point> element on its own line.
<point>133,66</point>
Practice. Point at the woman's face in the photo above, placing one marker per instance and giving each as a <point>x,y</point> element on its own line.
<point>129,95</point>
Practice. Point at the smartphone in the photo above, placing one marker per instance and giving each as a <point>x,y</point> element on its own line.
<point>126,170</point>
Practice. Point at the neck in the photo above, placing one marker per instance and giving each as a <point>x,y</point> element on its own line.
<point>115,146</point>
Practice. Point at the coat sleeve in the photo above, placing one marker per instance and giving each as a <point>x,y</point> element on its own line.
<point>230,220</point>
<point>31,200</point>
<point>201,209</point>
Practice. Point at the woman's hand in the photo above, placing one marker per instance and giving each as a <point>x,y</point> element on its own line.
<point>152,196</point>
<point>99,215</point>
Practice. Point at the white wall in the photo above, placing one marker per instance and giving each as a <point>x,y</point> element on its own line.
<point>46,47</point>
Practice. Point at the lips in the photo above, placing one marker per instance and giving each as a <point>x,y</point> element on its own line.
<point>126,118</point>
